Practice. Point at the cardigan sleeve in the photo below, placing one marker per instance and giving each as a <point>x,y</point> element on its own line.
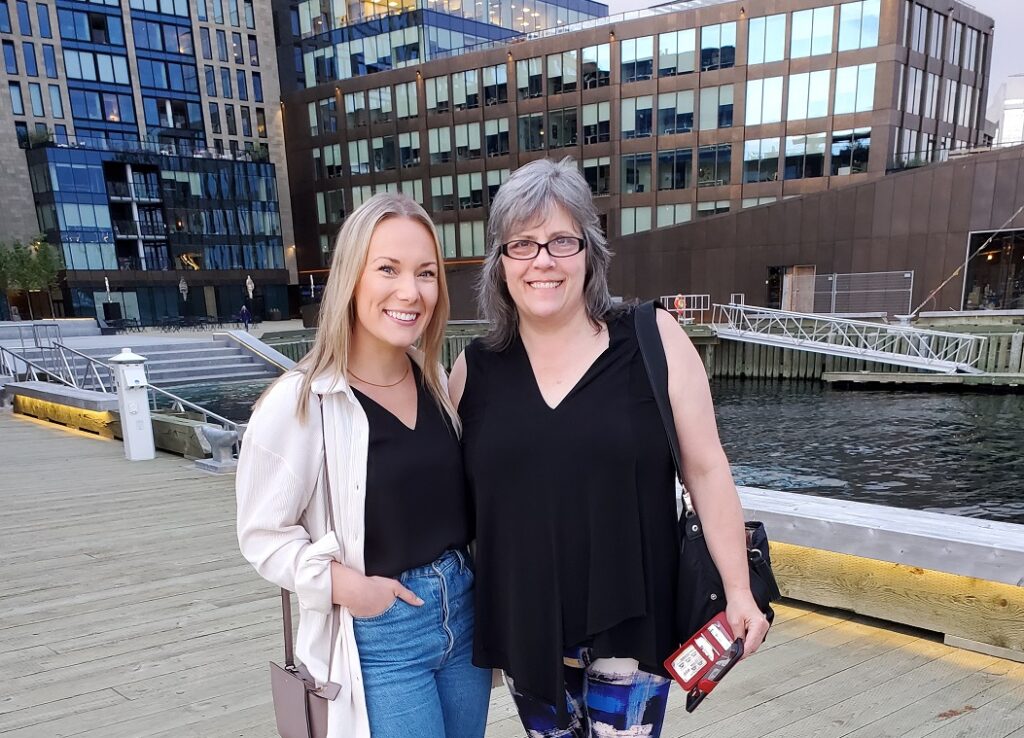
<point>278,469</point>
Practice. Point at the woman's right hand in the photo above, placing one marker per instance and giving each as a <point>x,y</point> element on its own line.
<point>366,597</point>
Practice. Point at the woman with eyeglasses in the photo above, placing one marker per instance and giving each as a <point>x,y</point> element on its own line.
<point>573,480</point>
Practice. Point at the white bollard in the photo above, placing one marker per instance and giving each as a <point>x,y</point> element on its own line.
<point>133,404</point>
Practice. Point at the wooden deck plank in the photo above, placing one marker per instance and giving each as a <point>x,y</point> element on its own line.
<point>126,611</point>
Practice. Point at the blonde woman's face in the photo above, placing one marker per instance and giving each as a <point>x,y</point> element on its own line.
<point>398,289</point>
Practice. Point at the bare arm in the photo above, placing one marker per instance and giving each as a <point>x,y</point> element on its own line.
<point>708,479</point>
<point>457,380</point>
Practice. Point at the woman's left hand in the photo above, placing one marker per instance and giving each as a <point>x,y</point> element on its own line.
<point>746,621</point>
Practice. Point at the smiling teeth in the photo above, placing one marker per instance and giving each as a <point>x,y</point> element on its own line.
<point>406,317</point>
<point>544,285</point>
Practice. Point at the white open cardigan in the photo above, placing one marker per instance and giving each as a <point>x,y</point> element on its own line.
<point>283,526</point>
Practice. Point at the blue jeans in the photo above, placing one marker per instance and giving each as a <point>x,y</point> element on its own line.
<point>416,661</point>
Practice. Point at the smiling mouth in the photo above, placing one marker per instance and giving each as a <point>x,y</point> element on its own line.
<point>402,317</point>
<point>546,285</point>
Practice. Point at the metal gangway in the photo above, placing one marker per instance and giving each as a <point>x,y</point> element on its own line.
<point>900,345</point>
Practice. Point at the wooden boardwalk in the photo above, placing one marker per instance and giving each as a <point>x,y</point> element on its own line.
<point>126,611</point>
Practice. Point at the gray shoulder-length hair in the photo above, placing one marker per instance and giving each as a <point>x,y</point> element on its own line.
<point>526,198</point>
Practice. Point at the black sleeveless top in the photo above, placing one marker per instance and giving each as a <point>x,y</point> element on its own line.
<point>417,506</point>
<point>575,515</point>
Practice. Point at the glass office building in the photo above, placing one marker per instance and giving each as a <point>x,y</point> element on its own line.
<point>148,147</point>
<point>677,113</point>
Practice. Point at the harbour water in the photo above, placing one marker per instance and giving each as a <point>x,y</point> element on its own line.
<point>957,453</point>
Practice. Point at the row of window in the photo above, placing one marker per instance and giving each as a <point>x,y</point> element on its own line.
<point>96,28</point>
<point>920,94</point>
<point>237,52</point>
<point>227,90</point>
<point>35,98</point>
<point>207,10</point>
<point>25,19</point>
<point>243,125</point>
<point>28,52</point>
<point>168,37</point>
<point>925,33</point>
<point>163,75</point>
<point>95,67</point>
<point>167,7</point>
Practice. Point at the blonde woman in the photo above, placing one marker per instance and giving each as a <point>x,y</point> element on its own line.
<point>364,422</point>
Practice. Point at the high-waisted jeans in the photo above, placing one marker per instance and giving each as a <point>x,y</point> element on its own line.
<point>416,661</point>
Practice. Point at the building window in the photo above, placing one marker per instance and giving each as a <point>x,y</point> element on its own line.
<point>327,115</point>
<point>240,84</point>
<point>970,51</point>
<point>761,160</point>
<point>254,52</point>
<point>43,13</point>
<point>850,151</point>
<point>812,32</point>
<point>938,34</point>
<point>956,35</point>
<point>563,128</point>
<point>17,103</point>
<point>716,107</point>
<point>227,89</point>
<point>467,141</point>
<point>446,232</point>
<point>634,220</point>
<point>409,149</point>
<point>714,165</point>
<point>529,78</point>
<point>246,116</point>
<point>805,156</point>
<point>766,39</point>
<point>261,122</point>
<point>562,72</point>
<point>717,46</point>
<point>597,172</point>
<point>597,66</point>
<point>229,116</point>
<point>808,95</point>
<point>10,58</point>
<point>49,61</point>
<point>471,191</point>
<point>917,27</point>
<point>637,59</point>
<point>359,157</point>
<point>414,189</point>
<point>931,96</point>
<point>495,179</point>
<point>35,96</point>
<point>466,89</point>
<point>858,25</point>
<point>437,95</point>
<point>764,101</point>
<point>496,136</point>
<point>949,102</point>
<point>677,52</point>
<point>531,132</point>
<point>204,42</point>
<point>408,102</point>
<point>439,143</point>
<point>215,118</point>
<point>750,202</point>
<point>636,116</point>
<point>210,74</point>
<point>380,105</point>
<point>383,153</point>
<point>472,241</point>
<point>5,17</point>
<point>442,195</point>
<point>670,215</point>
<point>355,109</point>
<point>597,122</point>
<point>855,90</point>
<point>675,112</point>
<point>636,173</point>
<point>56,105</point>
<point>675,169</point>
<point>716,207</point>
<point>24,20</point>
<point>495,84</point>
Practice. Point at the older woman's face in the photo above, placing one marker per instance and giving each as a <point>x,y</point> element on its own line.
<point>546,286</point>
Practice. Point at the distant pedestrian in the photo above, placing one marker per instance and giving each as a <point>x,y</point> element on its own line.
<point>245,316</point>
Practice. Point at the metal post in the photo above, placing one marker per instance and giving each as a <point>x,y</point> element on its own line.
<point>133,405</point>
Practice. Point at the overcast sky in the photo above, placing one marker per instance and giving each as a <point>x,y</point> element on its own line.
<point>1008,14</point>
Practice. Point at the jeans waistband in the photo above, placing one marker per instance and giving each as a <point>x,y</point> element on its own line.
<point>452,557</point>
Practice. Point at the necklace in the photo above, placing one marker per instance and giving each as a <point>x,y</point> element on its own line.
<point>408,368</point>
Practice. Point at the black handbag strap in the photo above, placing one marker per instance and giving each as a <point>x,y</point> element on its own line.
<point>286,596</point>
<point>652,350</point>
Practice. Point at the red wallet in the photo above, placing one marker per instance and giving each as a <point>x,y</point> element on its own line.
<point>702,661</point>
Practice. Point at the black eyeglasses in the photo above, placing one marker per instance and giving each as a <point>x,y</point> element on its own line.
<point>559,247</point>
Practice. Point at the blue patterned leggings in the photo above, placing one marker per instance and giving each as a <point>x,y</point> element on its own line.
<point>607,698</point>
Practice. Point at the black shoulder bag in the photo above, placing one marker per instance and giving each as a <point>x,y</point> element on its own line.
<point>700,594</point>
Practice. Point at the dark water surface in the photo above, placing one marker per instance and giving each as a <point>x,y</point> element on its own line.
<point>945,452</point>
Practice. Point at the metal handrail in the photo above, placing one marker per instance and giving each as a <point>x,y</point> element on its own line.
<point>6,357</point>
<point>182,403</point>
<point>91,363</point>
<point>927,349</point>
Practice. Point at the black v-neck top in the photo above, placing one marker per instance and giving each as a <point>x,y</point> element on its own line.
<point>575,514</point>
<point>416,499</point>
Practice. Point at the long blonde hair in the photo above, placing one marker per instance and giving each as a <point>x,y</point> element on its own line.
<point>337,309</point>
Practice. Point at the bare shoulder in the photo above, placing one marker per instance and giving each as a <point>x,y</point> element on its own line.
<point>680,353</point>
<point>457,379</point>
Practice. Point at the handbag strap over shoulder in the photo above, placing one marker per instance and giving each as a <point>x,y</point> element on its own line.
<point>652,350</point>
<point>286,596</point>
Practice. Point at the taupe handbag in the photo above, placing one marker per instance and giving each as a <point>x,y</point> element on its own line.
<point>299,705</point>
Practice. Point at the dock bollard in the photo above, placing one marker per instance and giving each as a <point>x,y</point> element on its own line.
<point>133,405</point>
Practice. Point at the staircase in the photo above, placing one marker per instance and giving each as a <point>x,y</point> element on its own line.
<point>179,362</point>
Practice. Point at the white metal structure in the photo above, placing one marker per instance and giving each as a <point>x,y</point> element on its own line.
<point>687,308</point>
<point>891,344</point>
